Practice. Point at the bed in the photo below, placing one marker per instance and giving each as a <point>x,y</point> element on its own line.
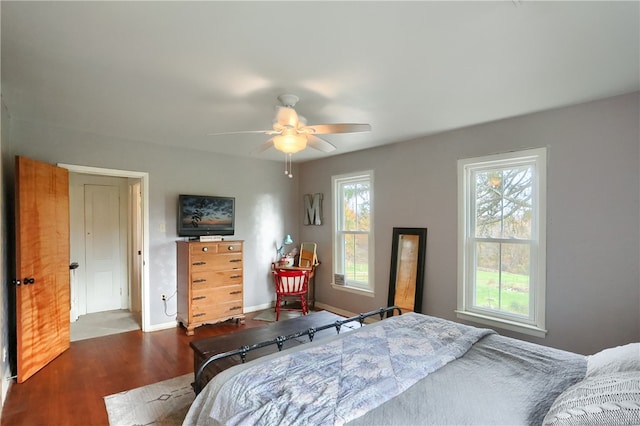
<point>417,369</point>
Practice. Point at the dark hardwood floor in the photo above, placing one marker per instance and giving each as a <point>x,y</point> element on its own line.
<point>70,390</point>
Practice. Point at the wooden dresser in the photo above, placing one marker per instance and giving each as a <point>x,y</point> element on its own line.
<point>210,283</point>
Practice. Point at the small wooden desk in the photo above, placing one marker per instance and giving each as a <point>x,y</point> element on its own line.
<point>311,294</point>
<point>210,346</point>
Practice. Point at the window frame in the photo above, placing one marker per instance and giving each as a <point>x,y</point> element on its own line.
<point>337,184</point>
<point>535,324</point>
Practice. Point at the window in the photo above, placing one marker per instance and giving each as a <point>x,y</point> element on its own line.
<point>501,277</point>
<point>353,232</point>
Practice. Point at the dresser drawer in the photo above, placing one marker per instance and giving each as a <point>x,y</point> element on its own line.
<point>199,248</point>
<point>205,296</point>
<point>219,262</point>
<point>210,279</point>
<point>230,247</point>
<point>207,311</point>
<point>215,247</point>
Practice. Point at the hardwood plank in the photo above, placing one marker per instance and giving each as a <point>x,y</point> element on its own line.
<point>70,390</point>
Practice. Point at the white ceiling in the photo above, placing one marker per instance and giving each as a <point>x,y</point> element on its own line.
<point>172,72</point>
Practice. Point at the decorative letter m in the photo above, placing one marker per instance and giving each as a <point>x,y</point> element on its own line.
<point>313,209</point>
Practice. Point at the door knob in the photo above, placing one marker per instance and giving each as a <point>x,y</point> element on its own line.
<point>29,280</point>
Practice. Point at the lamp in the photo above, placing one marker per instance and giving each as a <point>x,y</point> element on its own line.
<point>289,142</point>
<point>286,241</point>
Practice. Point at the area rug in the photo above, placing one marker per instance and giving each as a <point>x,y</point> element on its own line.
<point>164,403</point>
<point>270,315</point>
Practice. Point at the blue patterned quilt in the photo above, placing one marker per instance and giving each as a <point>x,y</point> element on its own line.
<point>334,383</point>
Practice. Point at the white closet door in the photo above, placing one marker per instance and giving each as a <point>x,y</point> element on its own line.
<point>102,238</point>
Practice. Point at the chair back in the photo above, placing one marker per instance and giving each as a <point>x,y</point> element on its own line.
<point>291,283</point>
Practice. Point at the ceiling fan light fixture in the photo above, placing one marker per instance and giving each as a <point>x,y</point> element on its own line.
<point>290,144</point>
<point>290,132</point>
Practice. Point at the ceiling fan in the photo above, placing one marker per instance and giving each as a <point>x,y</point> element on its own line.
<point>291,133</point>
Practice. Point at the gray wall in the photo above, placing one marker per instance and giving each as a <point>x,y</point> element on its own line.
<point>593,283</point>
<point>266,200</point>
<point>593,214</point>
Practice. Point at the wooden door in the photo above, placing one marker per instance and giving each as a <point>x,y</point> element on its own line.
<point>42,264</point>
<point>102,245</point>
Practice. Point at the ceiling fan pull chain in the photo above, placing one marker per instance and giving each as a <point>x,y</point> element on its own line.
<point>286,172</point>
<point>288,156</point>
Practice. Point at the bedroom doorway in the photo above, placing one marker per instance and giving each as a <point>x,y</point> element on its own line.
<point>108,221</point>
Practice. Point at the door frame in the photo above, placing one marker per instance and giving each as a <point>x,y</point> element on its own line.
<point>144,180</point>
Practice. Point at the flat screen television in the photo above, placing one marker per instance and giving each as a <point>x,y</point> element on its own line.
<point>200,215</point>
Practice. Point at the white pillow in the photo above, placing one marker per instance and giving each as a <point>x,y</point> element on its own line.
<point>608,399</point>
<point>614,360</point>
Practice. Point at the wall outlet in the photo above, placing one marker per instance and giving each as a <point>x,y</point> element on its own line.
<point>164,297</point>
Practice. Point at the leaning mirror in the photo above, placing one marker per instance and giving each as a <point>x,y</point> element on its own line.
<point>406,280</point>
<point>307,255</point>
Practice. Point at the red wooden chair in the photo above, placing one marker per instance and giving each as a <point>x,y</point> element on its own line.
<point>291,283</point>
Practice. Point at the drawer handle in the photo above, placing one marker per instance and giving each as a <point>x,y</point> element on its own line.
<point>235,276</point>
<point>201,314</point>
<point>235,308</point>
<point>199,297</point>
<point>199,263</point>
<point>205,248</point>
<point>236,292</point>
<point>235,260</point>
<point>201,280</point>
<point>230,248</point>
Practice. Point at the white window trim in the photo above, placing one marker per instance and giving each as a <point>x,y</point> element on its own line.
<point>355,290</point>
<point>536,327</point>
<point>369,290</point>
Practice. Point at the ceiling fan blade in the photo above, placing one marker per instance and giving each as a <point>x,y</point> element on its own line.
<point>264,132</point>
<point>323,129</point>
<point>265,146</point>
<point>320,144</point>
<point>287,117</point>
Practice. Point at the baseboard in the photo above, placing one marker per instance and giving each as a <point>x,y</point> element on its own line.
<point>163,326</point>
<point>335,310</point>
<point>329,308</point>
<point>261,307</point>
<point>323,306</point>
<point>254,308</point>
<point>344,313</point>
<point>173,324</point>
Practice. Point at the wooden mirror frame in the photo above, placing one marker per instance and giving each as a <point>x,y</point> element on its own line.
<point>308,257</point>
<point>421,255</point>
